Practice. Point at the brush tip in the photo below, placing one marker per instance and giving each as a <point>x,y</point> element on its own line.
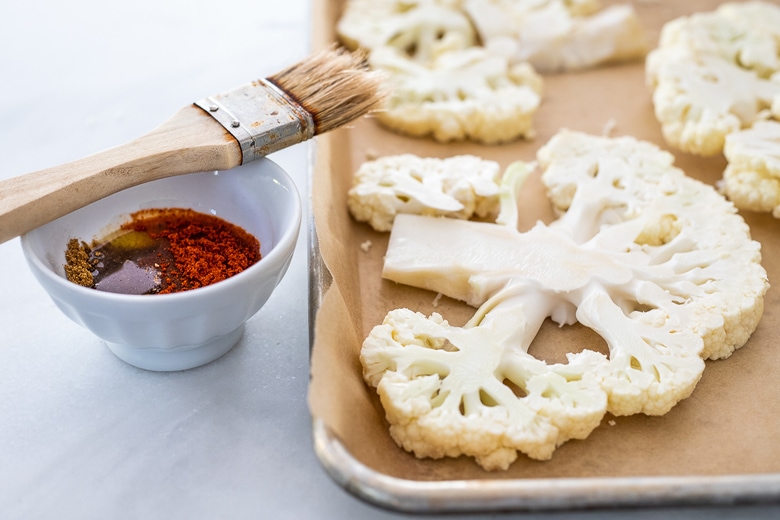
<point>334,85</point>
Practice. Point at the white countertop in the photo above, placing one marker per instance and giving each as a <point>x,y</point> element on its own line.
<point>82,434</point>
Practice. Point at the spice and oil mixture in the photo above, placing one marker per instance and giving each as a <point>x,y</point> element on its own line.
<point>161,251</point>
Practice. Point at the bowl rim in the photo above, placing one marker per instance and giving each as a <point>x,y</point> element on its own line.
<point>282,249</point>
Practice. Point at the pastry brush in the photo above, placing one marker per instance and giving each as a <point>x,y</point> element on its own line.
<point>324,91</point>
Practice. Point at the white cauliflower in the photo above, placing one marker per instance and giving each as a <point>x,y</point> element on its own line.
<point>658,264</point>
<point>744,33</point>
<point>468,94</point>
<point>752,178</point>
<point>421,29</point>
<point>715,73</point>
<point>444,84</point>
<point>457,187</point>
<point>559,35</point>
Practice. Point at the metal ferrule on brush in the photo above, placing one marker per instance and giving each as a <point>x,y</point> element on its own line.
<point>261,117</point>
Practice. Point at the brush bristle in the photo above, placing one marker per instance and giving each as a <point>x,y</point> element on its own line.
<point>334,85</point>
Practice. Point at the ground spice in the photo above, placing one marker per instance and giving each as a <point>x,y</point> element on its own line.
<point>205,249</point>
<point>78,267</point>
<point>161,251</point>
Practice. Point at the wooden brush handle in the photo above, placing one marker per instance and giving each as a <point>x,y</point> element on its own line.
<point>190,141</point>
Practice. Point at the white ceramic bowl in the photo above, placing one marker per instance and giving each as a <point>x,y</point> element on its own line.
<point>191,328</point>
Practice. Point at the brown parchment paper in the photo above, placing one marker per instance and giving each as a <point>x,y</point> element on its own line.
<point>729,426</point>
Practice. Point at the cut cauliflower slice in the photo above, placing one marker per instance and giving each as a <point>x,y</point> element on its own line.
<point>715,73</point>
<point>658,264</point>
<point>445,391</point>
<point>752,178</point>
<point>421,29</point>
<point>559,35</point>
<point>469,94</point>
<point>743,33</point>
<point>457,187</point>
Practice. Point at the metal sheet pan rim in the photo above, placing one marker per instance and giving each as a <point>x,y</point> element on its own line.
<point>548,494</point>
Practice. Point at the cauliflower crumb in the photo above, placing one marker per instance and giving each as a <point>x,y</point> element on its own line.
<point>609,127</point>
<point>715,73</point>
<point>461,187</point>
<point>366,246</point>
<point>611,422</point>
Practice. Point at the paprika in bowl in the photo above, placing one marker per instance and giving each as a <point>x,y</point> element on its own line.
<point>188,328</point>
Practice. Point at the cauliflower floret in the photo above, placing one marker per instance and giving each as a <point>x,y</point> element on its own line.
<point>658,264</point>
<point>422,29</point>
<point>457,187</point>
<point>752,177</point>
<point>556,35</point>
<point>469,94</point>
<point>715,73</point>
<point>744,33</point>
<point>443,401</point>
<point>725,316</point>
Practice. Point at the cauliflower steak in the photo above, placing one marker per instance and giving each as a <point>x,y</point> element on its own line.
<point>715,73</point>
<point>469,94</point>
<point>458,187</point>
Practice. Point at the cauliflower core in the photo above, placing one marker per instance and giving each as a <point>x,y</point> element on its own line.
<point>559,35</point>
<point>658,264</point>
<point>457,187</point>
<point>752,177</point>
<point>715,73</point>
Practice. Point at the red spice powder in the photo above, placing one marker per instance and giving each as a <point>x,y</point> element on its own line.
<point>204,249</point>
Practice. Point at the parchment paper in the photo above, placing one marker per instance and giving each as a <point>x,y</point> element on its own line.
<point>729,426</point>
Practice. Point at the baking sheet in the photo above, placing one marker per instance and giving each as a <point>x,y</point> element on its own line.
<point>721,444</point>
